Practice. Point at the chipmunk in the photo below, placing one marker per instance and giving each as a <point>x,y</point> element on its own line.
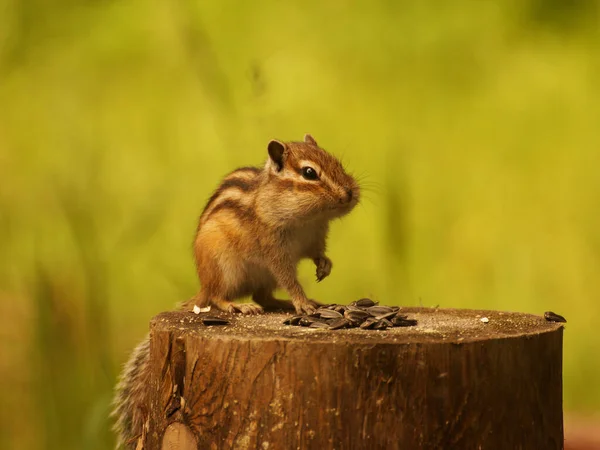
<point>260,223</point>
<point>253,231</point>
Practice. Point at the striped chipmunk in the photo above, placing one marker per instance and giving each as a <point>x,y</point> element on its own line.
<point>253,232</point>
<point>260,223</point>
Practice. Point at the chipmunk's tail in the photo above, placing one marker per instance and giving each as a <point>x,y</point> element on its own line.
<point>130,414</point>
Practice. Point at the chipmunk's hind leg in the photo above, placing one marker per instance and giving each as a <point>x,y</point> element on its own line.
<point>222,281</point>
<point>264,297</point>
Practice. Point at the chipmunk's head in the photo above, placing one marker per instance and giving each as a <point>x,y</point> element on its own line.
<point>310,182</point>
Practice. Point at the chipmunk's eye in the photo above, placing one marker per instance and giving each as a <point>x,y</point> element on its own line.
<point>309,173</point>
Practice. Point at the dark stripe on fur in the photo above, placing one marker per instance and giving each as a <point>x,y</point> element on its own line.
<point>308,187</point>
<point>236,207</point>
<point>299,186</point>
<point>244,185</point>
<point>241,184</point>
<point>286,184</point>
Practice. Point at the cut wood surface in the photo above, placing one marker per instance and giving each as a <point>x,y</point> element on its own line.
<point>451,382</point>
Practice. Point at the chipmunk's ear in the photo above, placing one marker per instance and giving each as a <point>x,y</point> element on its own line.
<point>277,153</point>
<point>310,140</point>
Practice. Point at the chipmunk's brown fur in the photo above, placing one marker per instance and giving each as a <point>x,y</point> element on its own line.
<point>256,227</point>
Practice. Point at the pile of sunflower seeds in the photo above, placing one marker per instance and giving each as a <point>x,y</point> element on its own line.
<point>363,313</point>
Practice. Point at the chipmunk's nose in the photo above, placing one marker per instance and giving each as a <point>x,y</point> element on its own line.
<point>349,194</point>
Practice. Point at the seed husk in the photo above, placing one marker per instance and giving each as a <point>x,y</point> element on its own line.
<point>338,324</point>
<point>340,309</point>
<point>388,316</point>
<point>316,317</point>
<point>380,325</point>
<point>386,322</point>
<point>329,314</point>
<point>364,303</point>
<point>368,323</point>
<point>305,321</point>
<point>356,316</point>
<point>320,319</point>
<point>553,317</point>
<point>211,320</point>
<point>379,310</point>
<point>352,307</point>
<point>292,320</point>
<point>318,325</point>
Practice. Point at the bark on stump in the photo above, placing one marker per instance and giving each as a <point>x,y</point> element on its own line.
<point>451,382</point>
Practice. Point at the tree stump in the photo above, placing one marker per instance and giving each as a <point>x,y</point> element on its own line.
<point>451,382</point>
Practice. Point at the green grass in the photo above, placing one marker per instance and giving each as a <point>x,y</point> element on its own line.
<point>474,128</point>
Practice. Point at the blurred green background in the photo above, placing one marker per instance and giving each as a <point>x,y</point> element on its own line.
<point>474,126</point>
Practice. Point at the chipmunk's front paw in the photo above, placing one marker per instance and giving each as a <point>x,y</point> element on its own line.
<point>324,266</point>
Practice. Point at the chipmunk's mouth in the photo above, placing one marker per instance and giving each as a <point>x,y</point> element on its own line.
<point>343,208</point>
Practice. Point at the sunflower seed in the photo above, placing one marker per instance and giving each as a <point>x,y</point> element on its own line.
<point>318,325</point>
<point>294,320</point>
<point>353,308</point>
<point>356,316</point>
<point>380,325</point>
<point>340,309</point>
<point>211,320</point>
<point>316,317</point>
<point>379,310</point>
<point>321,319</point>
<point>553,317</point>
<point>389,315</point>
<point>364,303</point>
<point>386,322</point>
<point>368,323</point>
<point>329,314</point>
<point>305,321</point>
<point>338,324</point>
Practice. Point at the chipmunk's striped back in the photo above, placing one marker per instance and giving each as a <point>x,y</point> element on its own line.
<point>235,193</point>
